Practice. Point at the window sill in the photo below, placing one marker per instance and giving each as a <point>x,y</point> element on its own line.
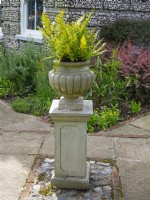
<point>1,34</point>
<point>29,37</point>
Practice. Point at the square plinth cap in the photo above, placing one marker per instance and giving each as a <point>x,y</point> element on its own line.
<point>87,111</point>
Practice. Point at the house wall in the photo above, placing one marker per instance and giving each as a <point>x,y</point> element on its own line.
<point>10,21</point>
<point>0,24</point>
<point>105,12</point>
<point>0,14</point>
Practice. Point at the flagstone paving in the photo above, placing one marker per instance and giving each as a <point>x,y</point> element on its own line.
<point>24,137</point>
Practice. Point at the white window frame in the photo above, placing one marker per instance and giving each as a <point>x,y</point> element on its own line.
<point>27,34</point>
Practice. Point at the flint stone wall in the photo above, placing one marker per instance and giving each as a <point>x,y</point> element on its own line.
<point>105,12</point>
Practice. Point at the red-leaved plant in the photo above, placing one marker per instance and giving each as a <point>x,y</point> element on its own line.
<point>136,63</point>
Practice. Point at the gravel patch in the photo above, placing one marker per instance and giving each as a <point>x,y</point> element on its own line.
<point>100,184</point>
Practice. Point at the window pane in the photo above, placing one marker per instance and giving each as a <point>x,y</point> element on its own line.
<point>39,13</point>
<point>35,9</point>
<point>31,14</point>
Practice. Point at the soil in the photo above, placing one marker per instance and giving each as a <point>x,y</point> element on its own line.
<point>126,113</point>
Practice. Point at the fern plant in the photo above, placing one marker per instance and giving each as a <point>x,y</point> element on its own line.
<point>70,42</point>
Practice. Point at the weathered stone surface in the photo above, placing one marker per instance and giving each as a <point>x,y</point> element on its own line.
<point>97,147</point>
<point>5,14</point>
<point>14,170</point>
<point>79,4</point>
<point>5,3</point>
<point>72,182</point>
<point>100,147</point>
<point>140,5</point>
<point>117,5</point>
<point>48,145</point>
<point>135,179</point>
<point>143,123</point>
<point>14,28</point>
<point>21,143</point>
<point>6,28</point>
<point>72,80</point>
<point>127,15</point>
<point>135,149</point>
<point>127,130</point>
<point>20,121</point>
<point>70,152</point>
<point>15,3</point>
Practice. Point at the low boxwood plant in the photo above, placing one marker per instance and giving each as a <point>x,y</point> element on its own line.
<point>21,105</point>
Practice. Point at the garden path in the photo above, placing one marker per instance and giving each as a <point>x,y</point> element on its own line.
<point>24,137</point>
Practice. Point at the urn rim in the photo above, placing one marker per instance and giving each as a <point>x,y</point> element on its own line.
<point>74,64</point>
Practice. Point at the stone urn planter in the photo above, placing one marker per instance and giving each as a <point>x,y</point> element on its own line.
<point>72,80</point>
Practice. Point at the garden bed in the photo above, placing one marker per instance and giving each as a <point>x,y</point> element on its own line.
<point>120,92</point>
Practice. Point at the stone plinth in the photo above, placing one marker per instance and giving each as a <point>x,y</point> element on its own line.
<point>70,146</point>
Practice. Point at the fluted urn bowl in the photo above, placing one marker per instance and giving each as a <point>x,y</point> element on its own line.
<point>72,80</point>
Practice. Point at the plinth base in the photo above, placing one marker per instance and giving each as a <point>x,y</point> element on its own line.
<point>72,182</point>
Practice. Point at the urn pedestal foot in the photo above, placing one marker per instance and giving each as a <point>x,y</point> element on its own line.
<point>71,104</point>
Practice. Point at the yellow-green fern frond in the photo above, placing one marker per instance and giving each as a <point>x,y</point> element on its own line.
<point>46,23</point>
<point>87,20</point>
<point>83,42</point>
<point>60,17</point>
<point>70,41</point>
<point>78,22</point>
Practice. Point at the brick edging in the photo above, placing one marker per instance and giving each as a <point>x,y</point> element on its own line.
<point>30,179</point>
<point>117,189</point>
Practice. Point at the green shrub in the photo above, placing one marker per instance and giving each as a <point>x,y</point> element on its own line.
<point>135,107</point>
<point>108,87</point>
<point>21,105</point>
<point>6,87</point>
<point>43,88</point>
<point>44,95</point>
<point>121,30</point>
<point>39,102</point>
<point>103,118</point>
<point>27,71</point>
<point>20,67</point>
<point>41,106</point>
